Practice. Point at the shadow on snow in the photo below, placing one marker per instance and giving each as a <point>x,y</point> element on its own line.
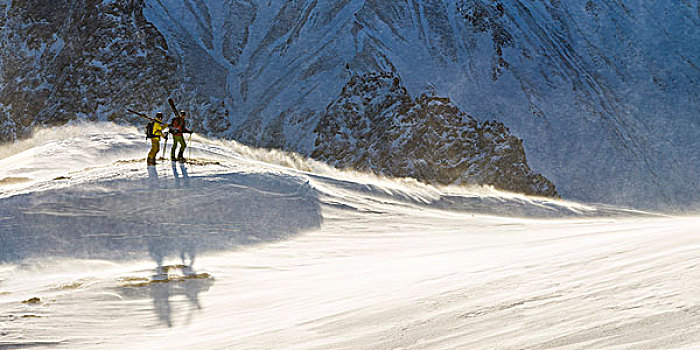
<point>181,216</point>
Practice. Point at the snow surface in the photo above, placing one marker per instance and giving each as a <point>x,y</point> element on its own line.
<point>291,254</point>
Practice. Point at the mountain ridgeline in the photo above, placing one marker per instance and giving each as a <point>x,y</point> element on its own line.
<point>599,94</point>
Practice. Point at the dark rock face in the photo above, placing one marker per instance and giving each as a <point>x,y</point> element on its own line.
<point>64,60</point>
<point>376,126</point>
<point>487,17</point>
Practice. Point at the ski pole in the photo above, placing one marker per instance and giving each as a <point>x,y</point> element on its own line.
<point>165,146</point>
<point>189,144</point>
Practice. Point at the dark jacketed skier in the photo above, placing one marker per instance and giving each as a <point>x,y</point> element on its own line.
<point>177,128</point>
<point>155,132</point>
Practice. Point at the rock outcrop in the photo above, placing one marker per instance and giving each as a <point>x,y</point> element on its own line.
<point>376,126</point>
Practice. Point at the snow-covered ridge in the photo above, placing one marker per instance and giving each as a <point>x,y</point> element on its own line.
<point>87,153</point>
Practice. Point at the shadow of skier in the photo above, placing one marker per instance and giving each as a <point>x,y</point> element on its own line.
<point>165,287</point>
<point>152,177</point>
<point>168,283</point>
<point>182,178</point>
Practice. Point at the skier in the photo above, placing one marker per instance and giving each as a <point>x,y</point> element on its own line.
<point>177,128</point>
<point>154,131</point>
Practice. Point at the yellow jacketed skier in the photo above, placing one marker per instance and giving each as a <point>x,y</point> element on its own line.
<point>154,131</point>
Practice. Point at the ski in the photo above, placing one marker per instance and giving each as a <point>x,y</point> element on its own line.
<point>172,106</point>
<point>198,162</point>
<point>142,115</point>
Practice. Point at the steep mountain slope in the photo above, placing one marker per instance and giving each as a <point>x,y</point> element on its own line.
<point>61,61</point>
<point>601,93</point>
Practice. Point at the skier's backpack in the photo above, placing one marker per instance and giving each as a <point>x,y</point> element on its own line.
<point>149,130</point>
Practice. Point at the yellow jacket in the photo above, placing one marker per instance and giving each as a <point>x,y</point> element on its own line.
<point>157,129</point>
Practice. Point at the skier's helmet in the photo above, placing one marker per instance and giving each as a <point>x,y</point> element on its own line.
<point>183,114</point>
<point>159,116</point>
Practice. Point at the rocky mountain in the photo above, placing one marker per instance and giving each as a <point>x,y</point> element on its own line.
<point>602,93</point>
<point>85,60</point>
<point>63,60</point>
<point>375,125</point>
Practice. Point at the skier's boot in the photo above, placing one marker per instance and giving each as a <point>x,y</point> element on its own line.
<point>150,161</point>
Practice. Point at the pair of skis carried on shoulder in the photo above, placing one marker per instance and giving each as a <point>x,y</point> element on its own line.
<point>143,115</point>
